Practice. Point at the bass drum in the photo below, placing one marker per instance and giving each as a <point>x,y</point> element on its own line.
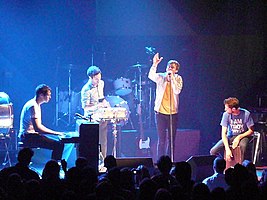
<point>63,101</point>
<point>117,102</point>
<point>122,86</point>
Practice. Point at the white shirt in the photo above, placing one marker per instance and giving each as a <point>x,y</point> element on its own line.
<point>161,81</point>
<point>90,95</point>
<point>31,110</point>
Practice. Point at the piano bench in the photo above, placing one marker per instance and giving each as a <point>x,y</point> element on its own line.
<point>21,145</point>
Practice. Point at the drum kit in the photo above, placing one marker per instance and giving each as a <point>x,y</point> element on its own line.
<point>133,90</point>
<point>129,92</point>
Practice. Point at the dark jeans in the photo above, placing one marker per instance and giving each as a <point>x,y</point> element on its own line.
<point>218,148</point>
<point>163,129</point>
<point>39,140</point>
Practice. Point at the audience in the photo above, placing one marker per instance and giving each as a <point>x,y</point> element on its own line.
<point>217,179</point>
<point>21,168</point>
<point>164,179</point>
<point>182,173</point>
<point>83,182</point>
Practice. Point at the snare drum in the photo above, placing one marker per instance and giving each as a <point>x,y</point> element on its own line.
<point>109,114</point>
<point>122,86</point>
<point>121,106</point>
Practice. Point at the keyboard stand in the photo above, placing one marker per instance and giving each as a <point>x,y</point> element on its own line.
<point>7,159</point>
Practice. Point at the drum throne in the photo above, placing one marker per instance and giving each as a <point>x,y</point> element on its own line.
<point>6,127</point>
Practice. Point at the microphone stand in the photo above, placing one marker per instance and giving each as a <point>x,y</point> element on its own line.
<point>171,129</point>
<point>57,92</point>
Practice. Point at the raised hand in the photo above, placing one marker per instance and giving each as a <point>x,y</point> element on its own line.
<point>157,59</point>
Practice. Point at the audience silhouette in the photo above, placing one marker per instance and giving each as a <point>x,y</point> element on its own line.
<point>83,182</point>
<point>217,179</point>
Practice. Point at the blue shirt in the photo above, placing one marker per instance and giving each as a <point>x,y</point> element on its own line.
<point>237,124</point>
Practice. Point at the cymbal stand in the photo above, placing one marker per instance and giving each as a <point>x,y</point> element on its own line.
<point>140,86</point>
<point>57,92</point>
<point>115,138</point>
<point>69,94</point>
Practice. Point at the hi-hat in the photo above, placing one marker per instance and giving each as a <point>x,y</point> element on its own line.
<point>138,66</point>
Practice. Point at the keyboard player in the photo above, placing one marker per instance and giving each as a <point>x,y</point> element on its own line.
<point>92,98</point>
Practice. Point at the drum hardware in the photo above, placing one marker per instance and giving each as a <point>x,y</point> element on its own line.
<point>118,115</point>
<point>115,139</point>
<point>66,100</point>
<point>138,65</point>
<point>6,124</point>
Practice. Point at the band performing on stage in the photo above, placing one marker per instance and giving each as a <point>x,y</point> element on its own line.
<point>133,100</point>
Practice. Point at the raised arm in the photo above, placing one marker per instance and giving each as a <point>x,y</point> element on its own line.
<point>152,75</point>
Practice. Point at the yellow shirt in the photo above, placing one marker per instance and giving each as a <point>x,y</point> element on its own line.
<point>167,106</point>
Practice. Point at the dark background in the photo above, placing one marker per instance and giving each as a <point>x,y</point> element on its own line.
<point>221,46</point>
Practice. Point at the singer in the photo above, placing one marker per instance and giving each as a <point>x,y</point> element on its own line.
<point>168,87</point>
<point>92,98</point>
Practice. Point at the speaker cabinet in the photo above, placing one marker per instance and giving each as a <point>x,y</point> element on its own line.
<point>89,143</point>
<point>127,143</point>
<point>182,150</point>
<point>202,166</point>
<point>183,138</point>
<point>135,162</point>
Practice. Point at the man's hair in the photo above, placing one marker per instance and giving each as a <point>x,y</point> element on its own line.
<point>219,164</point>
<point>232,102</point>
<point>164,163</point>
<point>174,62</point>
<point>42,89</point>
<point>92,71</point>
<point>25,155</point>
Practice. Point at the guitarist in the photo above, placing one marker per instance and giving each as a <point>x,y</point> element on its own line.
<point>168,87</point>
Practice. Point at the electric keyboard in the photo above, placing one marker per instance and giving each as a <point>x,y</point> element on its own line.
<point>70,137</point>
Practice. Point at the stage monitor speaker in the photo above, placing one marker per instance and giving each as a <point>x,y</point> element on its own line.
<point>89,143</point>
<point>202,166</point>
<point>135,162</point>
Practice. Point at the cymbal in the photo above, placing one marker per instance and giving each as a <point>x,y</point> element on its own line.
<point>139,66</point>
<point>72,66</point>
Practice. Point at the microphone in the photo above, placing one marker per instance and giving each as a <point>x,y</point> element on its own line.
<point>169,73</point>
